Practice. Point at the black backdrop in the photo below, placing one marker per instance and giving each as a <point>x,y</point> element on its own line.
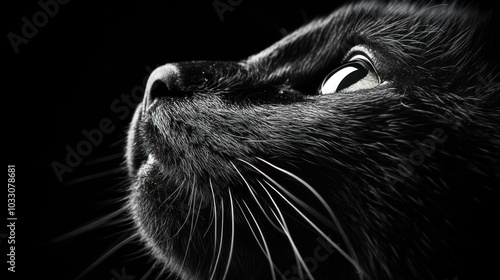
<point>77,71</point>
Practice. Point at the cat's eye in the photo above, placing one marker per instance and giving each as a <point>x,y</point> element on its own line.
<point>357,74</point>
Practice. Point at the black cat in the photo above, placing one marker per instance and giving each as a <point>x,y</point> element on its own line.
<point>365,145</point>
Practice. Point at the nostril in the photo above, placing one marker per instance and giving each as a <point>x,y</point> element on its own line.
<point>164,82</point>
<point>160,89</point>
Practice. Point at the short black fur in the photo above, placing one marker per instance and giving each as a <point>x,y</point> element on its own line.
<point>403,177</point>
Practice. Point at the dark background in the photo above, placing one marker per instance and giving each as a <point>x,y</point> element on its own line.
<point>65,80</point>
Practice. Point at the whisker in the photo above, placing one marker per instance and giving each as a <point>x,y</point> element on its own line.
<point>97,223</point>
<point>299,259</point>
<point>162,272</point>
<point>105,256</point>
<point>103,159</point>
<point>94,176</point>
<point>303,204</point>
<point>146,275</point>
<point>183,223</point>
<point>214,213</point>
<point>252,192</point>
<point>325,205</point>
<point>198,212</point>
<point>342,252</point>
<point>232,236</point>
<point>212,218</point>
<point>136,255</point>
<point>267,252</point>
<point>251,229</point>
<point>176,192</point>
<point>118,142</point>
<point>191,230</point>
<point>220,240</point>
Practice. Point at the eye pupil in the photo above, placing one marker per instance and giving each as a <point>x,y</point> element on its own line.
<point>354,75</point>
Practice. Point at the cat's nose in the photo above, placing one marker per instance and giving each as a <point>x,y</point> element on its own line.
<point>163,82</point>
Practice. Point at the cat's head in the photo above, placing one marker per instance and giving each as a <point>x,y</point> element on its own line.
<point>365,145</point>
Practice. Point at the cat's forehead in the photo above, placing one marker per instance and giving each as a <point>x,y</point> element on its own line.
<point>406,35</point>
<point>365,22</point>
<point>366,13</point>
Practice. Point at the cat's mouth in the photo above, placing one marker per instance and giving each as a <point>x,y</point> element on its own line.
<point>185,201</point>
<point>178,163</point>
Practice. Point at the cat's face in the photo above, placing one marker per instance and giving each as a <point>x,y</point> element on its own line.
<point>364,145</point>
